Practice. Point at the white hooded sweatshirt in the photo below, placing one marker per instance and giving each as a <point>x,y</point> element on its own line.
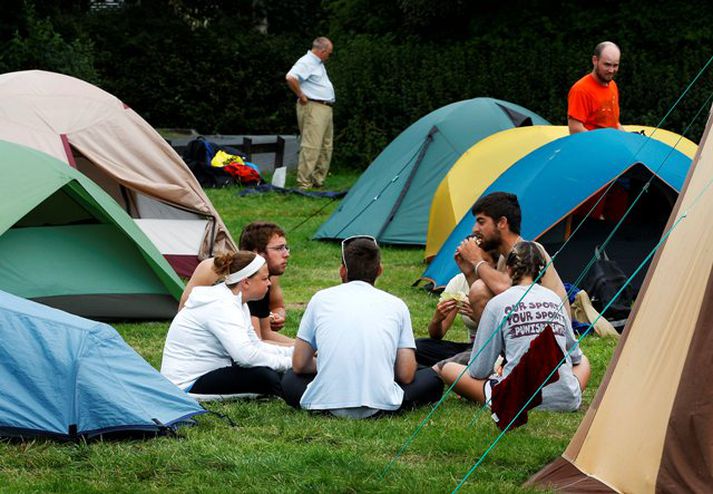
<point>212,331</point>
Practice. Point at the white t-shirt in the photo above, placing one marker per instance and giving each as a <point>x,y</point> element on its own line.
<point>212,331</point>
<point>356,330</point>
<point>460,284</point>
<point>311,73</point>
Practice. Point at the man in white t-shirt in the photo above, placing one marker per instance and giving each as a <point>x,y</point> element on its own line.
<point>359,341</point>
<point>309,81</point>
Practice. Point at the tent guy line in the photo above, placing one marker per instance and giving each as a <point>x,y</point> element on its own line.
<point>616,227</point>
<point>498,329</point>
<point>591,262</point>
<point>653,251</point>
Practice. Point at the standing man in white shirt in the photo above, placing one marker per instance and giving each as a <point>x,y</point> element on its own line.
<point>309,81</point>
<point>359,342</point>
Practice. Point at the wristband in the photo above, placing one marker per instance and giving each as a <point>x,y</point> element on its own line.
<point>477,265</point>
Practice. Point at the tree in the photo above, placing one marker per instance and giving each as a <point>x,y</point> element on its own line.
<point>36,45</point>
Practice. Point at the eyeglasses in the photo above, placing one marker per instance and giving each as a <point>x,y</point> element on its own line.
<point>349,240</point>
<point>284,248</point>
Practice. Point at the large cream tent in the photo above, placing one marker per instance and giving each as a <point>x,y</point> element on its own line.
<point>650,426</point>
<point>478,167</point>
<point>94,132</point>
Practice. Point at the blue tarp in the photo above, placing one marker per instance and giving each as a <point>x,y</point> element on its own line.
<point>555,179</point>
<point>65,376</point>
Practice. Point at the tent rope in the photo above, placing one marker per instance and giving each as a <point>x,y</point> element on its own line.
<point>643,263</point>
<point>584,273</point>
<point>319,210</point>
<point>412,437</point>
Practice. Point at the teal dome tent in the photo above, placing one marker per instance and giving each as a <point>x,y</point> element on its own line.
<point>392,198</point>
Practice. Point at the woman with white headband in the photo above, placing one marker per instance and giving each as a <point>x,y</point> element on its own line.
<point>211,346</point>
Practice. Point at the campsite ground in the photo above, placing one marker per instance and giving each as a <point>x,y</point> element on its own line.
<point>276,449</point>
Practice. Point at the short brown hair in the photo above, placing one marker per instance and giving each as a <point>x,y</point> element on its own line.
<point>500,205</point>
<point>257,235</point>
<point>362,259</point>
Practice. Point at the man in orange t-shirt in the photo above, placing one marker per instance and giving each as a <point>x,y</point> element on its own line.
<point>593,101</point>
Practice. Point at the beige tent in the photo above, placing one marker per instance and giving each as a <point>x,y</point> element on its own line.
<point>650,426</point>
<point>93,131</point>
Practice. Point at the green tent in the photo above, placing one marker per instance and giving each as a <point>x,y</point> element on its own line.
<point>65,243</point>
<point>392,198</point>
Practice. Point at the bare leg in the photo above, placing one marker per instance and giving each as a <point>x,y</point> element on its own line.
<point>467,386</point>
<point>582,371</point>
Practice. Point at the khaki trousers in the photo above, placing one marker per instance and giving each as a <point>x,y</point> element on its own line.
<point>316,129</point>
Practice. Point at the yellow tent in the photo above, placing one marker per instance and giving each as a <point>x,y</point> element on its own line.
<point>475,170</point>
<point>483,163</point>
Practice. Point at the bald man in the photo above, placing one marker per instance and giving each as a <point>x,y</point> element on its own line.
<point>309,81</point>
<point>593,101</point>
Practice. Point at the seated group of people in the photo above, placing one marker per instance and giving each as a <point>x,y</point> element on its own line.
<point>355,354</point>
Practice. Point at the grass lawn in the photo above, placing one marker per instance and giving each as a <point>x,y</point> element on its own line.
<point>277,449</point>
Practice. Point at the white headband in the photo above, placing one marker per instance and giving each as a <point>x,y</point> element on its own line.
<point>246,272</point>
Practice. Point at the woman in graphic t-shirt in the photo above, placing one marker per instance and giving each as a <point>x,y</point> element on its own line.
<point>529,313</point>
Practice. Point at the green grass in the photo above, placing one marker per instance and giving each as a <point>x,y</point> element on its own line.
<point>277,449</point>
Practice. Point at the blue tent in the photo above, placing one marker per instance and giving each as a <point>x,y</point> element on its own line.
<point>554,180</point>
<point>392,198</point>
<point>67,377</point>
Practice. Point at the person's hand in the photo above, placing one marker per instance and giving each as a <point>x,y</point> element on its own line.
<point>277,321</point>
<point>302,99</point>
<point>465,267</point>
<point>498,367</point>
<point>470,251</point>
<point>444,308</point>
<point>464,309</point>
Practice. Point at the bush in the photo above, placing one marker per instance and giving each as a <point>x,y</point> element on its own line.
<point>185,63</point>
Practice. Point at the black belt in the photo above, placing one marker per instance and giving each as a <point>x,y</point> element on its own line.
<point>321,101</point>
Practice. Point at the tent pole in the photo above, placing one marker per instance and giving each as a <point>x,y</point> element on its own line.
<point>427,142</point>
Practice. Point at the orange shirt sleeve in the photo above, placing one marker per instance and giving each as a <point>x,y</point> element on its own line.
<point>578,104</point>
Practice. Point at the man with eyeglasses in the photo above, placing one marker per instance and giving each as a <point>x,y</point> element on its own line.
<point>354,353</point>
<point>268,314</point>
<point>268,240</point>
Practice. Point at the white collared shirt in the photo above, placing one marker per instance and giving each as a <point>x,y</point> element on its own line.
<point>312,76</point>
